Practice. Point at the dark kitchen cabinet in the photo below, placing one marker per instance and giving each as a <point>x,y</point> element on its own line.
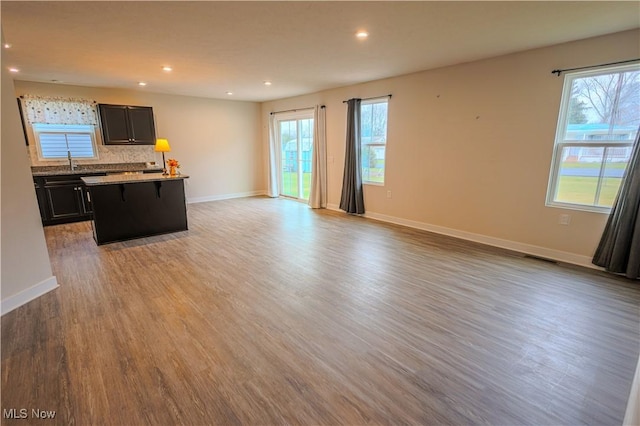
<point>40,195</point>
<point>62,199</point>
<point>127,125</point>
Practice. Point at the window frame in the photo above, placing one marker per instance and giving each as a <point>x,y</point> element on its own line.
<point>84,129</point>
<point>379,100</point>
<point>297,116</point>
<point>560,142</point>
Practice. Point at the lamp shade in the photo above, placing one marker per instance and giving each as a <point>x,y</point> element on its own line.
<point>162,145</point>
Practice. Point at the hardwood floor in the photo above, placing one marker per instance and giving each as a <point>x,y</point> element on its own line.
<point>267,312</point>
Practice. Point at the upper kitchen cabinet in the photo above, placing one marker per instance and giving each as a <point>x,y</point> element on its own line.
<point>127,125</point>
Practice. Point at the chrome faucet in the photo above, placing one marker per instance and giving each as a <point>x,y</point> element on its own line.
<point>72,164</point>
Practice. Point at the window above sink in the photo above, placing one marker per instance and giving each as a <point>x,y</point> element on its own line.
<point>57,141</point>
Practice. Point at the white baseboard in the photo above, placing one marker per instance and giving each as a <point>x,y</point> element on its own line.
<point>543,252</point>
<point>632,414</point>
<point>25,296</point>
<point>225,196</point>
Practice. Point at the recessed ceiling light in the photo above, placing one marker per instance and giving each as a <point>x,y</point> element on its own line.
<point>362,35</point>
<point>14,70</point>
<point>229,93</point>
<point>267,83</point>
<point>142,83</point>
<point>167,68</point>
<point>7,45</point>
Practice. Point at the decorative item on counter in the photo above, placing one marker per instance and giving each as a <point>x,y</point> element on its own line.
<point>173,166</point>
<point>162,145</point>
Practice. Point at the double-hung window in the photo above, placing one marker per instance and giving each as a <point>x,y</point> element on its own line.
<point>373,135</point>
<point>598,121</point>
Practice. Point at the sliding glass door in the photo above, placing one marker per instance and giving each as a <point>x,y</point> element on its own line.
<point>295,134</point>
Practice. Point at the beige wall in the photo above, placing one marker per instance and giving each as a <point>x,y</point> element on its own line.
<point>26,271</point>
<point>217,142</point>
<point>469,147</point>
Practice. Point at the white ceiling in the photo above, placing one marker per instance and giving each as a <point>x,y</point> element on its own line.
<point>302,47</point>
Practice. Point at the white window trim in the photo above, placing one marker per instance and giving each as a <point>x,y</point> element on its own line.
<point>560,143</point>
<point>62,128</point>
<point>384,175</point>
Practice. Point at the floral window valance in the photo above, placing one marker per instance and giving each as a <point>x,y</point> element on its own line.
<point>44,110</point>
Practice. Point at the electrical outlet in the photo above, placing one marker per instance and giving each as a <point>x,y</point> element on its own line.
<point>564,219</point>
<point>389,194</point>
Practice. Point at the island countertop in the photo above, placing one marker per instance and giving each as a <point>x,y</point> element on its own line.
<point>125,178</point>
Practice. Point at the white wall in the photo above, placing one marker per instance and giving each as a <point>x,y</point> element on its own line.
<point>217,142</point>
<point>26,270</point>
<point>469,147</point>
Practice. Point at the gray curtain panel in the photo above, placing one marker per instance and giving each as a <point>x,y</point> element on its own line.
<point>619,248</point>
<point>352,199</point>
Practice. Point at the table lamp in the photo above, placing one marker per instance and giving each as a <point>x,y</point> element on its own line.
<point>162,145</point>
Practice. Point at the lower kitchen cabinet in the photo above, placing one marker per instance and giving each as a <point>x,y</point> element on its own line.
<point>62,199</point>
<point>42,202</point>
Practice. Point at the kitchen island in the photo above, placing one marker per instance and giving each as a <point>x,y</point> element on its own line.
<point>134,206</point>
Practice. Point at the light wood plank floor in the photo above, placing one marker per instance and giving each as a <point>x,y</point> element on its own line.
<point>267,312</point>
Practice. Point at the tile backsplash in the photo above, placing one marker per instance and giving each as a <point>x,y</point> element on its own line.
<point>107,154</point>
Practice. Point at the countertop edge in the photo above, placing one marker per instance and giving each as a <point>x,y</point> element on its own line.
<point>124,179</point>
<point>80,172</point>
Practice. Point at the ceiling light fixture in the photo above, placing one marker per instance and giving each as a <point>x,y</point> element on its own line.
<point>267,83</point>
<point>142,83</point>
<point>167,68</point>
<point>14,70</point>
<point>7,45</point>
<point>362,35</point>
<point>229,93</point>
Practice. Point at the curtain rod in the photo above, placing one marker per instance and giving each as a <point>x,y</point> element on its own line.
<point>558,72</point>
<point>294,110</point>
<point>375,97</point>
